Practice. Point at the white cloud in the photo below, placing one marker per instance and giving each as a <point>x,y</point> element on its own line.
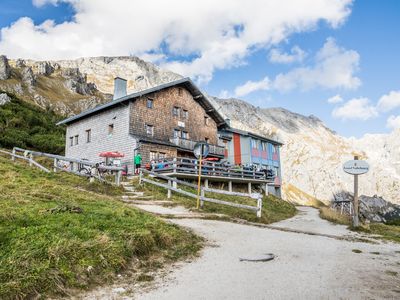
<point>334,68</point>
<point>393,122</point>
<point>335,99</point>
<point>355,109</point>
<point>208,34</point>
<point>296,55</point>
<point>389,101</point>
<point>252,86</point>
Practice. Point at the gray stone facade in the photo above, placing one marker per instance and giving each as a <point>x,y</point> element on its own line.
<point>101,139</point>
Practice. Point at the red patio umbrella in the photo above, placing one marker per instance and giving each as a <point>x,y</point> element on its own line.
<point>111,154</point>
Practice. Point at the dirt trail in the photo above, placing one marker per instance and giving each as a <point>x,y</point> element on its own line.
<point>307,266</point>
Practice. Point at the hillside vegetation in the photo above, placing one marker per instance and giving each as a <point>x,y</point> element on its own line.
<point>58,232</point>
<point>25,125</point>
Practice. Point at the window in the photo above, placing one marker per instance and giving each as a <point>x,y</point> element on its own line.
<point>206,120</point>
<point>177,133</point>
<point>110,129</point>
<point>149,103</point>
<point>207,140</point>
<point>71,140</point>
<point>161,155</point>
<point>253,144</point>
<point>88,135</point>
<point>264,146</point>
<point>274,149</point>
<point>175,111</point>
<point>180,91</point>
<point>76,139</point>
<point>185,114</point>
<point>153,155</point>
<point>149,129</point>
<point>185,135</point>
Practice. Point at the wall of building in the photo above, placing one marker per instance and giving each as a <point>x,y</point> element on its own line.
<point>120,140</point>
<point>160,150</point>
<point>163,120</point>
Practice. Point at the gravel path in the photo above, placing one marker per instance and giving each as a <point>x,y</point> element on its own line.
<point>306,267</point>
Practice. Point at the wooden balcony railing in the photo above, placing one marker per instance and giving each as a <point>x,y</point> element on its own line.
<point>189,145</point>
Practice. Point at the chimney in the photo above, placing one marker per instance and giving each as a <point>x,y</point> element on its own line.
<point>119,88</point>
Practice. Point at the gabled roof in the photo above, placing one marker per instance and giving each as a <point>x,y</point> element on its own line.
<point>184,82</point>
<point>247,133</point>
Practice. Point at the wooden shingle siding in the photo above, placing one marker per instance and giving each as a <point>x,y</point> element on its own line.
<point>164,122</point>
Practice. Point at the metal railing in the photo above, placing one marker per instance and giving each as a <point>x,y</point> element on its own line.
<point>172,186</point>
<point>189,145</point>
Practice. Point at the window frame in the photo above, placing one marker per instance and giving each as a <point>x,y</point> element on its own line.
<point>151,102</point>
<point>147,127</point>
<point>71,141</point>
<point>176,111</point>
<point>88,135</point>
<point>111,128</point>
<point>76,139</point>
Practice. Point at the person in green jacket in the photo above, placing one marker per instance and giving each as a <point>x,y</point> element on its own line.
<point>137,161</point>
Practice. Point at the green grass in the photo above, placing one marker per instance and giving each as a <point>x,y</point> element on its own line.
<point>333,216</point>
<point>386,231</point>
<point>273,209</point>
<point>58,232</point>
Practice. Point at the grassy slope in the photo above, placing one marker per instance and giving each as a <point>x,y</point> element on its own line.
<point>45,247</point>
<point>273,210</point>
<point>26,125</point>
<point>388,232</point>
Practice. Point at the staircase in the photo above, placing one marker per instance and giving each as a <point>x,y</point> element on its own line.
<point>134,197</point>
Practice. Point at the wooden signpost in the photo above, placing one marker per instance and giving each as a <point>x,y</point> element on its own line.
<point>201,151</point>
<point>356,167</point>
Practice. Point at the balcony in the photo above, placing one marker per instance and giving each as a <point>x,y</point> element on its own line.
<point>189,145</point>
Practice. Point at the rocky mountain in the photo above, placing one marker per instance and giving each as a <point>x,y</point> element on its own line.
<point>312,155</point>
<point>70,86</point>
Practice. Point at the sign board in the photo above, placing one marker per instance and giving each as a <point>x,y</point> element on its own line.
<point>181,124</point>
<point>201,148</point>
<point>356,167</point>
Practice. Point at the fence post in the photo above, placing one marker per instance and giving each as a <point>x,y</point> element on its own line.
<point>118,177</point>
<point>30,159</point>
<point>93,173</point>
<point>169,190</point>
<point>201,198</point>
<point>12,156</point>
<point>55,165</point>
<point>259,206</point>
<point>140,176</point>
<point>174,165</point>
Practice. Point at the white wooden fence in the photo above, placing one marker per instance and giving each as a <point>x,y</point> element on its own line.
<point>92,170</point>
<point>171,186</point>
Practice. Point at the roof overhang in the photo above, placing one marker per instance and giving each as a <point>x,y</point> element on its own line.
<point>250,134</point>
<point>184,82</point>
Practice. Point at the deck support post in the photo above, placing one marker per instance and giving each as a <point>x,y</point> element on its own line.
<point>230,186</point>
<point>55,165</point>
<point>206,183</point>
<point>249,187</point>
<point>266,189</point>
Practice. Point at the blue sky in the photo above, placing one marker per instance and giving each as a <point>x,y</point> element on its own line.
<point>350,50</point>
